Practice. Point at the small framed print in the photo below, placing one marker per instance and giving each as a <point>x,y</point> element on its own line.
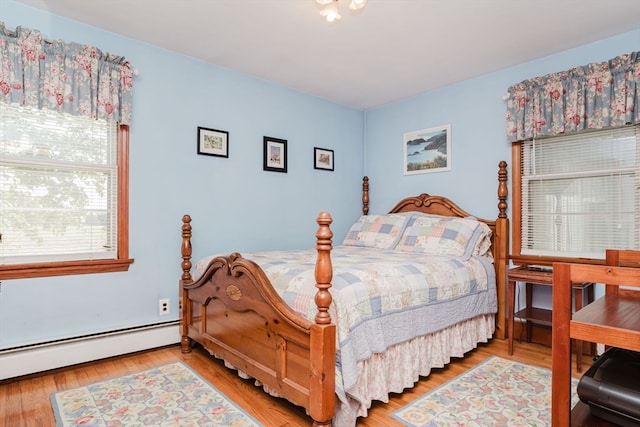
<point>427,150</point>
<point>275,154</point>
<point>322,159</point>
<point>213,142</point>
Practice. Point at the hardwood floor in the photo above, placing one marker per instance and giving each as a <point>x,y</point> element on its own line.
<point>25,401</point>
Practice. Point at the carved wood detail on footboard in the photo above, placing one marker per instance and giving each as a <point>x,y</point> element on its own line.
<point>233,311</point>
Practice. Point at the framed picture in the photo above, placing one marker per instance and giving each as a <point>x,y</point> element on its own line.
<point>322,159</point>
<point>213,142</point>
<point>427,150</point>
<point>275,154</point>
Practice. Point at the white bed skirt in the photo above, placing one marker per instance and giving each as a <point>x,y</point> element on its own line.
<point>402,365</point>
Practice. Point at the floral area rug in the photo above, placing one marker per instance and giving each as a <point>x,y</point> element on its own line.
<point>498,392</point>
<point>171,395</point>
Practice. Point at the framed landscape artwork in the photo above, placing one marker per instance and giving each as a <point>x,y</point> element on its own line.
<point>427,150</point>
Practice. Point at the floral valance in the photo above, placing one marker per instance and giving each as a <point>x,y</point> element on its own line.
<point>64,77</point>
<point>594,96</point>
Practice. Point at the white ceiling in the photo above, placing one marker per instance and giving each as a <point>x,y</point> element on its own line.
<point>391,49</point>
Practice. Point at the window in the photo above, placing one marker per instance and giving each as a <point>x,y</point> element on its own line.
<point>63,194</point>
<point>576,195</point>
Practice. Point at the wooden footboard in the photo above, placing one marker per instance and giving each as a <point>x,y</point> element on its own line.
<point>233,311</point>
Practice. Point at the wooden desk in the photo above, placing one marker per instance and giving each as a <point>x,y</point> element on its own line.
<point>532,275</point>
<point>612,320</point>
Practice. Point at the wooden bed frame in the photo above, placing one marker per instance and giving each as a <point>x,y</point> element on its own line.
<point>233,311</point>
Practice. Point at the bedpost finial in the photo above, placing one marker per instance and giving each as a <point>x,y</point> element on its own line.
<point>324,217</point>
<point>324,234</point>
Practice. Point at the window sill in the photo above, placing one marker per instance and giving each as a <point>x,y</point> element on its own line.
<point>23,271</point>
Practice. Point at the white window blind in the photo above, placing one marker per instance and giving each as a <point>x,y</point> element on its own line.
<point>580,193</point>
<point>58,187</point>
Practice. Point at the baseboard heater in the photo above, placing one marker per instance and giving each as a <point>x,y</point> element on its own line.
<point>30,359</point>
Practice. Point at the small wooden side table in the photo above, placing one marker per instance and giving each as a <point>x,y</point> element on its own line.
<point>534,275</point>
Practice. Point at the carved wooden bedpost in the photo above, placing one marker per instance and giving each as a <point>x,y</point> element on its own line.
<point>186,249</point>
<point>365,195</point>
<point>503,192</point>
<point>501,251</point>
<point>324,269</point>
<point>185,314</point>
<point>323,332</point>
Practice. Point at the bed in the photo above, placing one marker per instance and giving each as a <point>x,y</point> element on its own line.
<point>335,328</point>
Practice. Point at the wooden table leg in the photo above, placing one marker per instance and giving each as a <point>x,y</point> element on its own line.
<point>590,299</point>
<point>529,298</point>
<point>561,348</point>
<point>512,308</point>
<point>577,296</point>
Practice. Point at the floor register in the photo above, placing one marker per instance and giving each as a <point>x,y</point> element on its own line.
<point>611,387</point>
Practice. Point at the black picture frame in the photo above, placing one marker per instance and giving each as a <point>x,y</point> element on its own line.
<point>322,159</point>
<point>275,154</point>
<point>213,142</point>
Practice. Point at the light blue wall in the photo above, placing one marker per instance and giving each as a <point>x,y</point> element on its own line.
<point>476,111</point>
<point>235,205</point>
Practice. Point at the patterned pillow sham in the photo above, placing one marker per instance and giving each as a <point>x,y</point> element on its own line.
<point>441,235</point>
<point>377,231</point>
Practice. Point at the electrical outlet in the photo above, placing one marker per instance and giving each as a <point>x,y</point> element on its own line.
<point>163,306</point>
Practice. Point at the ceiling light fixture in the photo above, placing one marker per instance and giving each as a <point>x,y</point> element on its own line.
<point>330,9</point>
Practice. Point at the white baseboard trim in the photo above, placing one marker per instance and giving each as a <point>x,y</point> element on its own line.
<point>33,359</point>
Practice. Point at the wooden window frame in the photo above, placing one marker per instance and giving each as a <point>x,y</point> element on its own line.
<point>121,263</point>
